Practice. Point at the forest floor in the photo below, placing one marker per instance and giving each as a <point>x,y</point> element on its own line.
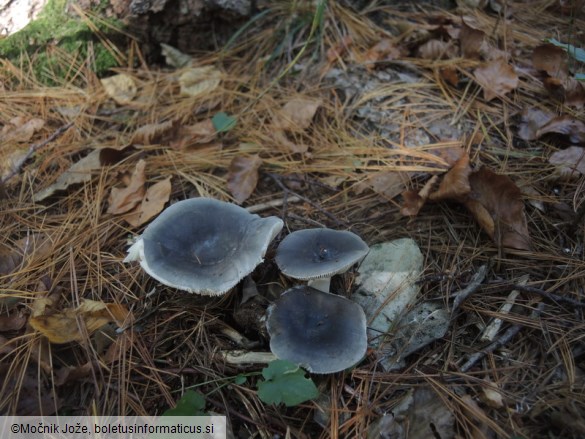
<point>460,129</point>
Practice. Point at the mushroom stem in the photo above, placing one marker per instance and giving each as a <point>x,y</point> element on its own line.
<point>321,284</point>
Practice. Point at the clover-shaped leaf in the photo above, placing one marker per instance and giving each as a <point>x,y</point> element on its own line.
<point>285,382</point>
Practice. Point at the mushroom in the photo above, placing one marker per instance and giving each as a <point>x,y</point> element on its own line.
<point>203,246</point>
<point>318,254</point>
<point>322,332</point>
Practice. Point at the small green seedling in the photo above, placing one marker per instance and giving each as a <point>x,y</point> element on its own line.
<point>191,404</point>
<point>285,382</point>
<point>223,122</point>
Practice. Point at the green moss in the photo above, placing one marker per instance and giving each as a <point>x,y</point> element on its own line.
<point>54,29</point>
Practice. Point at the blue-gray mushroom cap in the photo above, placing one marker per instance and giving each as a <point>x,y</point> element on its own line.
<point>322,332</point>
<point>204,246</point>
<point>316,253</point>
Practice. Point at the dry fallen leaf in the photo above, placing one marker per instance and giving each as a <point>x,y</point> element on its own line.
<point>339,49</point>
<point>455,184</point>
<point>121,88</point>
<point>122,200</point>
<point>79,172</point>
<point>500,198</point>
<point>413,201</point>
<point>492,395</point>
<point>296,114</point>
<point>36,245</point>
<point>551,59</point>
<point>574,129</point>
<point>11,160</point>
<point>243,177</point>
<point>20,130</point>
<point>532,120</point>
<point>153,133</point>
<point>471,40</point>
<point>450,75</point>
<point>496,78</point>
<point>384,50</point>
<point>567,90</point>
<point>63,327</point>
<point>437,49</point>
<point>152,204</point>
<point>388,184</point>
<point>199,81</point>
<point>571,161</point>
<point>12,322</point>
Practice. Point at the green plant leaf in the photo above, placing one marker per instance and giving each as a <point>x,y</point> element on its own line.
<point>191,404</point>
<point>223,122</point>
<point>285,383</point>
<point>240,379</point>
<point>575,52</point>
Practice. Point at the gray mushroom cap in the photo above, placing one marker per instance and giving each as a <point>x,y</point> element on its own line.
<point>204,246</point>
<point>316,253</point>
<point>322,332</point>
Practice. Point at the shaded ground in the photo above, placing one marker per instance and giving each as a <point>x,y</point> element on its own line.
<point>385,99</point>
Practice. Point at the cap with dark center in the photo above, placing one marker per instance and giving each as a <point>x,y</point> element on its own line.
<point>322,332</point>
<point>319,254</point>
<point>203,245</point>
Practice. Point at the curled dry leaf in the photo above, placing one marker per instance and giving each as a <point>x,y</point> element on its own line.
<point>574,129</point>
<point>497,196</point>
<point>532,120</point>
<point>472,41</point>
<point>413,201</point>
<point>496,78</point>
<point>198,81</point>
<point>121,88</point>
<point>63,327</point>
<point>551,59</point>
<point>567,90</point>
<point>571,161</point>
<point>122,200</point>
<point>152,204</point>
<point>455,184</point>
<point>153,133</point>
<point>79,172</point>
<point>243,177</point>
<point>437,49</point>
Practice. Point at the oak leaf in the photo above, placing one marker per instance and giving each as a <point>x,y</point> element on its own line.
<point>152,203</point>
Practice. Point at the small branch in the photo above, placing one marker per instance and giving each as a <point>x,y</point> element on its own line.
<point>505,338</point>
<point>270,204</point>
<point>550,296</point>
<point>33,148</point>
<point>473,286</point>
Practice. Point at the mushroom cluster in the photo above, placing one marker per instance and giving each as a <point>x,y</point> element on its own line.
<point>204,246</point>
<point>207,246</point>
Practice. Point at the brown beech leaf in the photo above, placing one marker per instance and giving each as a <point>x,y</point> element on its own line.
<point>121,88</point>
<point>153,133</point>
<point>122,200</point>
<point>551,59</point>
<point>496,78</point>
<point>571,161</point>
<point>296,114</point>
<point>567,90</point>
<point>497,196</point>
<point>532,120</point>
<point>574,129</point>
<point>455,183</point>
<point>63,326</point>
<point>384,50</point>
<point>471,41</point>
<point>152,204</point>
<point>243,177</point>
